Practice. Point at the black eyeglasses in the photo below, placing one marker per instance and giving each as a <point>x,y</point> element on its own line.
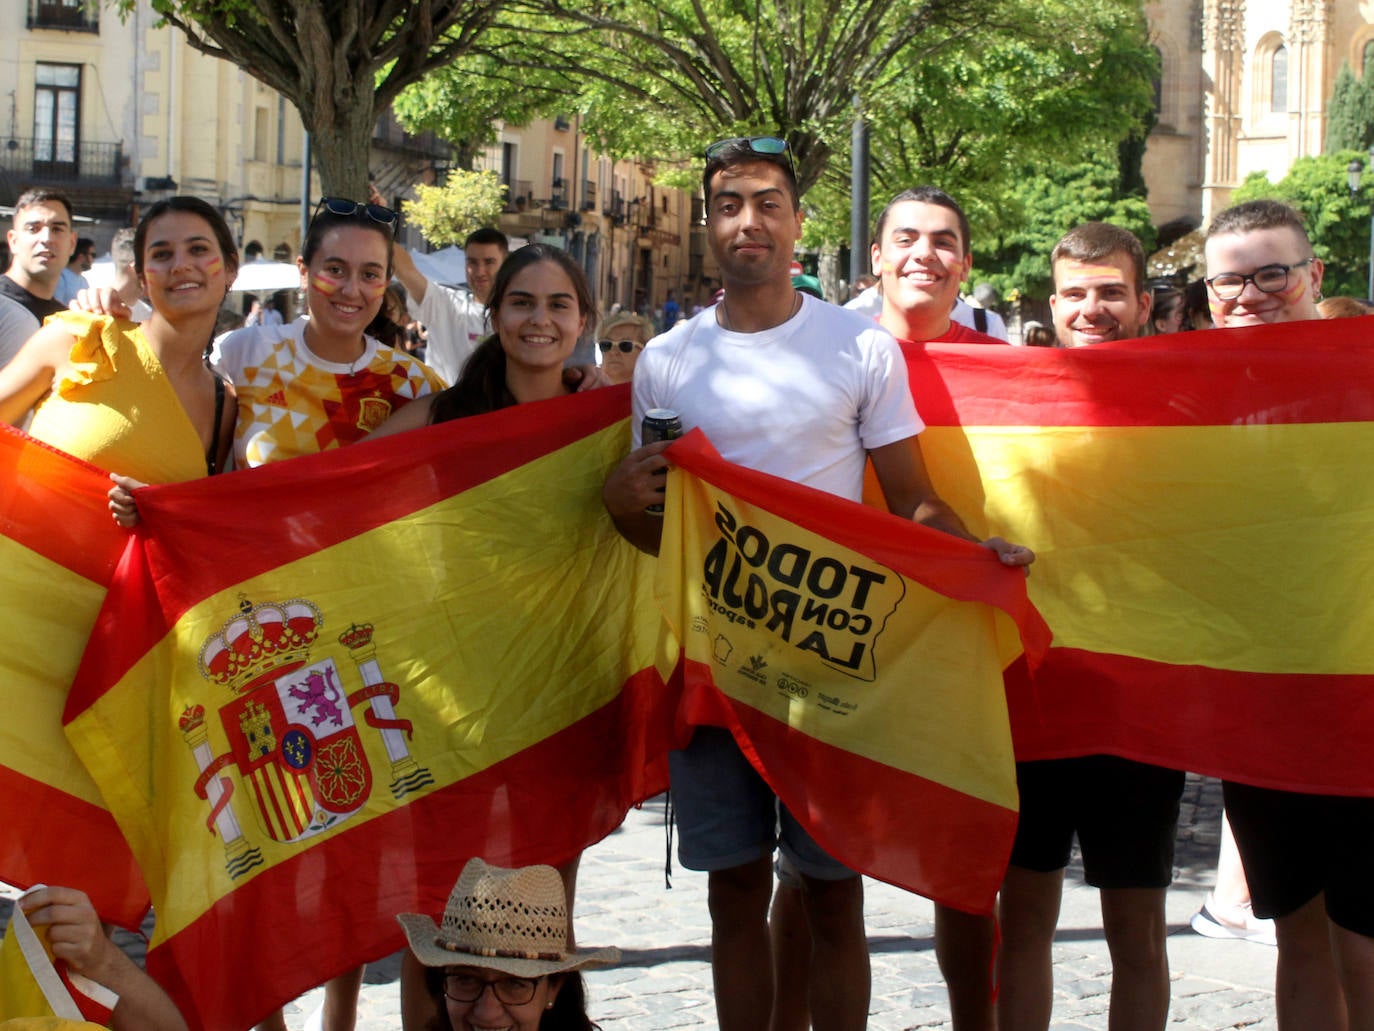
<point>770,146</point>
<point>345,208</point>
<point>1268,280</point>
<point>625,345</point>
<point>513,991</point>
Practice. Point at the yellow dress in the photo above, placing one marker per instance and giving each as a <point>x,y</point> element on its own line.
<point>115,407</point>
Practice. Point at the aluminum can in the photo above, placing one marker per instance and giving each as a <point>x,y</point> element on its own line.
<point>659,424</point>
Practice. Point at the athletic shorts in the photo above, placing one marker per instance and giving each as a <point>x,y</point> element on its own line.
<point>1125,814</point>
<point>1295,846</point>
<point>728,816</point>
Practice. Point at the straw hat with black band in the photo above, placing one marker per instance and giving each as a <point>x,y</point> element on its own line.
<point>514,921</point>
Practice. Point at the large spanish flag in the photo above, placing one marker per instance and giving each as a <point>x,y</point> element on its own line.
<point>58,549</point>
<point>857,659</point>
<point>319,687</point>
<point>1202,508</point>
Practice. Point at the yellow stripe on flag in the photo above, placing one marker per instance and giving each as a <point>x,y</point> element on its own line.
<point>52,621</point>
<point>1181,544</point>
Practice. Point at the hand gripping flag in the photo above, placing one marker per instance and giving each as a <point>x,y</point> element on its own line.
<point>319,687</point>
<point>1202,507</point>
<point>33,985</point>
<point>58,549</point>
<point>857,659</point>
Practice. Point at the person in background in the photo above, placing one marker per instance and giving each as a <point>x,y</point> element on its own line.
<point>1168,313</point>
<point>40,241</point>
<point>73,281</point>
<point>620,338</point>
<point>1343,308</point>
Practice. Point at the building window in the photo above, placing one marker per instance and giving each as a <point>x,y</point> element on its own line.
<point>1158,82</point>
<point>1278,81</point>
<point>66,15</point>
<point>260,133</point>
<point>56,115</point>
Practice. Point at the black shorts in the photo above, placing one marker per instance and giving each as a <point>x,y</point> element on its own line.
<point>1125,815</point>
<point>1295,846</point>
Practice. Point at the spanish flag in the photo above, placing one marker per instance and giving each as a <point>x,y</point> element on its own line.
<point>318,687</point>
<point>857,659</point>
<point>1201,506</point>
<point>58,550</point>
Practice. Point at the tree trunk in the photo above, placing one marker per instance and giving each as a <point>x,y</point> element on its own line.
<point>340,149</point>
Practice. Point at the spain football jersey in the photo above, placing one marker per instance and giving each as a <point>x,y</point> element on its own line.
<point>292,402</point>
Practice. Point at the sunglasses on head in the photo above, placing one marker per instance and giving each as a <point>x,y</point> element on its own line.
<point>625,345</point>
<point>345,208</point>
<point>769,146</point>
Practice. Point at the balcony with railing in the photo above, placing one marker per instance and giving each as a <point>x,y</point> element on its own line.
<point>56,162</point>
<point>64,15</point>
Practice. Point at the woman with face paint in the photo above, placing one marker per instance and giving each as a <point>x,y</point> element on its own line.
<point>138,399</point>
<point>324,381</point>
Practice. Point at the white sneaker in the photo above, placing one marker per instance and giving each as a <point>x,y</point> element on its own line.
<point>1234,922</point>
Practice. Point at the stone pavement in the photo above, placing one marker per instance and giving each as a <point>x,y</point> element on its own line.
<point>665,935</point>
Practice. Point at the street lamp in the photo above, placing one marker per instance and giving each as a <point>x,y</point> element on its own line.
<point>1353,171</point>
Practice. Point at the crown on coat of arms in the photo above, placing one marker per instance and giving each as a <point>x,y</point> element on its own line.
<point>263,641</point>
<point>358,635</point>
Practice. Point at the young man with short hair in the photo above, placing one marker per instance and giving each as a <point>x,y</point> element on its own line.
<point>72,281</point>
<point>41,241</point>
<point>1124,813</point>
<point>455,319</point>
<point>1306,856</point>
<point>730,370</point>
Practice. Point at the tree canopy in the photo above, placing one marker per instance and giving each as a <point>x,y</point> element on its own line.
<point>1350,114</point>
<point>338,62</point>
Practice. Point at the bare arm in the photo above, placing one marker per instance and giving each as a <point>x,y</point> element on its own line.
<point>403,268</point>
<point>901,470</point>
<point>634,485</point>
<point>25,380</point>
<point>76,936</point>
<point>411,417</point>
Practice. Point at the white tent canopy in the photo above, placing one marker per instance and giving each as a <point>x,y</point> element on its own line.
<point>448,267</point>
<point>253,277</point>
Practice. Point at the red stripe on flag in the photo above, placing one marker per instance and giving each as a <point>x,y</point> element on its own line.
<point>956,568</point>
<point>33,851</point>
<point>333,906</point>
<point>1313,728</point>
<point>884,822</point>
<point>1261,374</point>
<point>55,505</point>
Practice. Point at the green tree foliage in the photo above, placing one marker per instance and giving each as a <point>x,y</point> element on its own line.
<point>1350,114</point>
<point>1042,207</point>
<point>466,202</point>
<point>1338,223</point>
<point>338,61</point>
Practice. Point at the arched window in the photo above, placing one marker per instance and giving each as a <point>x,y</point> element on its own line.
<point>1278,81</point>
<point>1159,82</point>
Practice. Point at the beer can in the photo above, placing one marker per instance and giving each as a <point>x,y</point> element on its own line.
<point>659,424</point>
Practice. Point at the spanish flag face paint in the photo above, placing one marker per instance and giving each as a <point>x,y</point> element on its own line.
<point>1246,252</point>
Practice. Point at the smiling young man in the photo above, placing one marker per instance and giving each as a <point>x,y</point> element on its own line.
<point>1099,286</point>
<point>1124,813</point>
<point>786,384</point>
<point>921,257</point>
<point>1306,856</point>
<point>456,319</point>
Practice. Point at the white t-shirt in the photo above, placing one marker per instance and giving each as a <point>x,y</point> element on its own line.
<point>456,321</point>
<point>805,400</point>
<point>963,314</point>
<point>17,324</point>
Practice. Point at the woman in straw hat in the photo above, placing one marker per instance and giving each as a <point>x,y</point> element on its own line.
<point>499,958</point>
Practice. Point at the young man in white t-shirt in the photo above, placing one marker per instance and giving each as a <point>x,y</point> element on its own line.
<point>792,386</point>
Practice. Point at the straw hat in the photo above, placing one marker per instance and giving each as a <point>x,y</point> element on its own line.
<point>514,921</point>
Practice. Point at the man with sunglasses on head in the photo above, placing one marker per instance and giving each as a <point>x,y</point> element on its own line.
<point>746,372</point>
<point>1306,856</point>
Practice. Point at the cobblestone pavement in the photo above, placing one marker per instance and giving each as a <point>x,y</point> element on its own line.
<point>664,934</point>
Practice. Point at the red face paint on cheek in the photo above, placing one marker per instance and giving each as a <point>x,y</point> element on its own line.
<point>214,266</point>
<point>373,290</point>
<point>325,284</point>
